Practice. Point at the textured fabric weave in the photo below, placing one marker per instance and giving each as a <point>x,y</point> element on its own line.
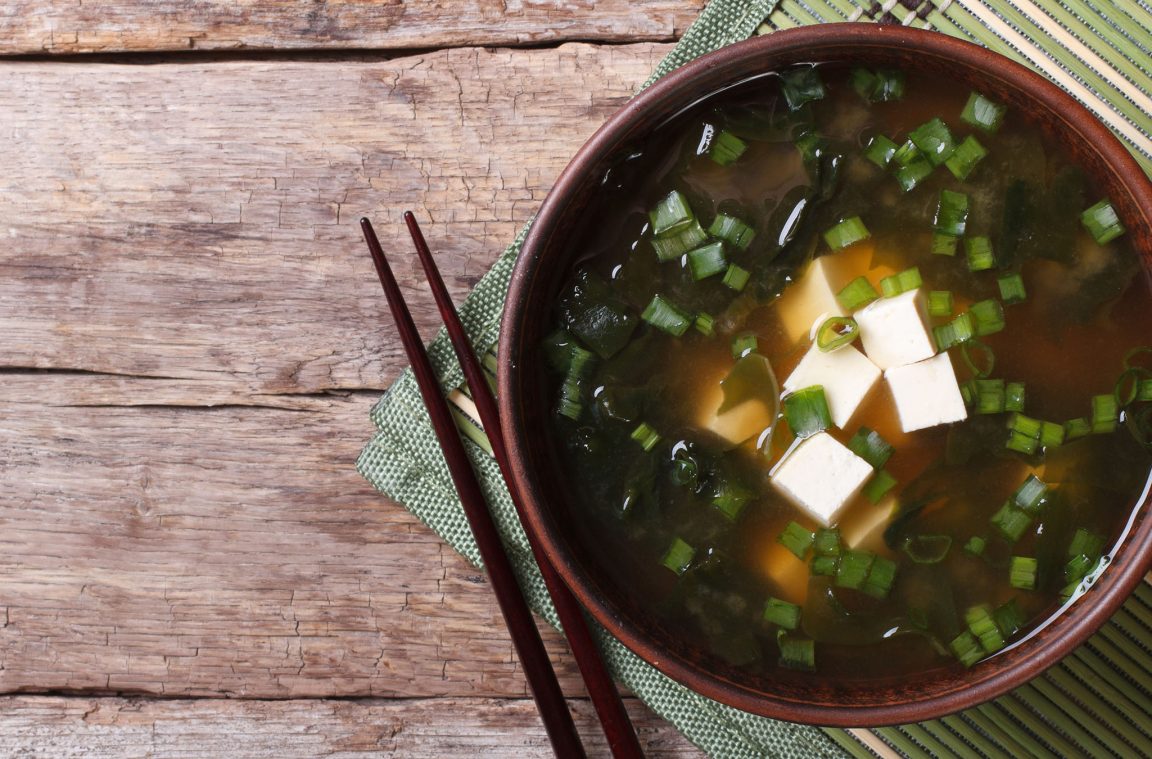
<point>1091,704</point>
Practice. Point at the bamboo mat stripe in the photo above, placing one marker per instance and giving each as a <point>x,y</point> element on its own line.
<point>1099,53</point>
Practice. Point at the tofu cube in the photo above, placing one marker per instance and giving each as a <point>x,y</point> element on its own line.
<point>895,331</point>
<point>846,374</point>
<point>821,476</point>
<point>863,526</point>
<point>810,298</point>
<point>737,424</point>
<point>926,393</point>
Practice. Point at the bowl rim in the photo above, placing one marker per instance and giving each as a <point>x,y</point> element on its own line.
<point>1110,591</point>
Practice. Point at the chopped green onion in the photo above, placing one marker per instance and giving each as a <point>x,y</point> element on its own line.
<point>990,396</point>
<point>726,148</point>
<point>1078,568</point>
<point>731,502</point>
<point>963,327</point>
<point>943,245</point>
<point>671,214</point>
<point>951,213</point>
<point>704,324</point>
<point>934,140</point>
<point>975,545</point>
<point>796,653</point>
<point>674,244</point>
<point>836,332</point>
<point>646,436</point>
<point>580,361</point>
<point>983,626</point>
<point>1011,522</point>
<point>988,316</point>
<point>966,648</point>
<point>1014,396</point>
<point>707,260</point>
<point>735,278</point>
<point>868,445</point>
<point>968,153</point>
<point>880,577</point>
<point>826,542</point>
<point>806,411</point>
<point>824,566</point>
<point>927,549</point>
<point>979,252</point>
<point>908,154</point>
<point>569,404</point>
<point>664,315</point>
<point>1086,542</point>
<point>1009,618</point>
<point>781,613</point>
<point>913,174</point>
<point>811,145</point>
<point>879,87</point>
<point>1077,428</point>
<point>983,113</point>
<point>856,294</point>
<point>1021,443</point>
<point>847,232</point>
<point>878,486</point>
<point>880,150</point>
<point>732,231</point>
<point>579,367</point>
<point>945,336</point>
<point>558,346</point>
<point>940,302</point>
<point>1127,387</point>
<point>801,85</point>
<point>1104,413</point>
<point>968,392</point>
<point>978,357</point>
<point>1029,497</point>
<point>901,282</point>
<point>796,539</point>
<point>1025,426</point>
<point>1144,391</point>
<point>1051,434</point>
<point>1102,222</point>
<point>679,556</point>
<point>889,85</point>
<point>1012,288</point>
<point>744,344</point>
<point>853,569</point>
<point>1022,572</point>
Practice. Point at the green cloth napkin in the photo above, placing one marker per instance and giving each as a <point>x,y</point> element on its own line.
<point>1098,702</point>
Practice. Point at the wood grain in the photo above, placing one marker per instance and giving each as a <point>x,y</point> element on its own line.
<point>57,728</point>
<point>113,26</point>
<point>193,339</point>
<point>197,222</point>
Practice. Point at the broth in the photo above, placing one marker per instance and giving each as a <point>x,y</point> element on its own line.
<point>688,522</point>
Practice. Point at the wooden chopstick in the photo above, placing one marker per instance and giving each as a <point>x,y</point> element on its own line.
<point>522,627</point>
<point>605,698</point>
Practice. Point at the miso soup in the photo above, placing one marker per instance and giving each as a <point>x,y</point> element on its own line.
<point>849,375</point>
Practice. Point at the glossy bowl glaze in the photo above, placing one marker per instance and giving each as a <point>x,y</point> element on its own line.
<point>525,405</point>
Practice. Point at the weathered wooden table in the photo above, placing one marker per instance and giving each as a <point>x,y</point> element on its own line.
<point>193,337</point>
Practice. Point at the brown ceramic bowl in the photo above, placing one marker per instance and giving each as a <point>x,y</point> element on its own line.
<point>525,405</point>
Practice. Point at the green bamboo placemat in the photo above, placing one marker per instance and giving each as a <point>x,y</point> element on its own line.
<point>1098,701</point>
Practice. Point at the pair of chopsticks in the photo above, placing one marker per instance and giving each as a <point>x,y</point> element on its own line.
<point>525,635</point>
